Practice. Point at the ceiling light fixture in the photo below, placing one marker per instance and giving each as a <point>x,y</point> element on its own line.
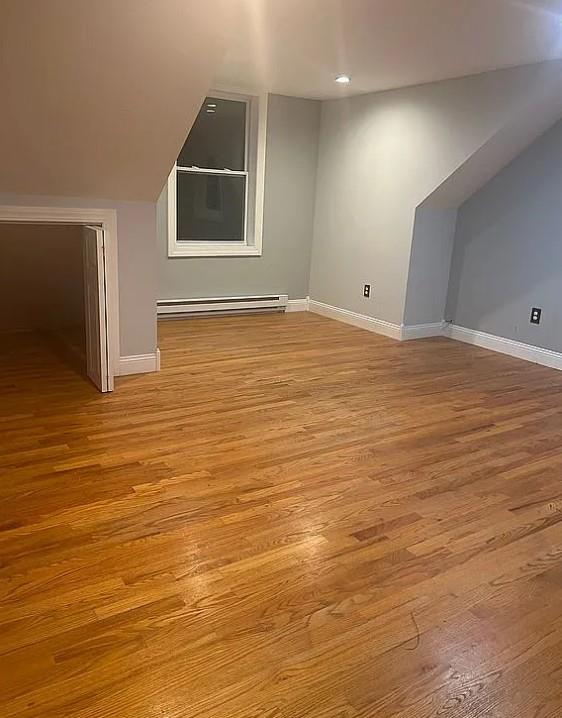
<point>210,112</point>
<point>343,79</point>
<point>211,104</point>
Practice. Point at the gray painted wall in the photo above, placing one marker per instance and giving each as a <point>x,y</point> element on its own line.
<point>136,235</point>
<point>380,157</point>
<point>430,262</point>
<point>290,177</point>
<point>508,250</point>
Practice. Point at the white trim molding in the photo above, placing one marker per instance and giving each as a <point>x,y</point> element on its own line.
<point>528,352</point>
<point>298,305</point>
<point>378,326</point>
<point>139,363</point>
<point>107,218</point>
<point>422,331</point>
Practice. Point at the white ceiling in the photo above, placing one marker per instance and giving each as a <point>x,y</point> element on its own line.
<point>296,47</point>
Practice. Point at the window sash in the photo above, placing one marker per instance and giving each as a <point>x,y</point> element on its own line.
<point>204,171</point>
<point>248,102</point>
<point>221,173</point>
<point>254,172</point>
<point>227,172</point>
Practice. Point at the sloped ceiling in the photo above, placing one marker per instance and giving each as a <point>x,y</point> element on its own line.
<point>539,110</point>
<point>97,96</point>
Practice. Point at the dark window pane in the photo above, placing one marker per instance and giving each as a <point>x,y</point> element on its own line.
<point>218,137</point>
<point>210,207</point>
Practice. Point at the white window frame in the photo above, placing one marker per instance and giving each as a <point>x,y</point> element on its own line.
<point>251,245</point>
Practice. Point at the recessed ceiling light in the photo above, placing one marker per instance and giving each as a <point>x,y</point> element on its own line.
<point>211,104</point>
<point>210,112</point>
<point>343,79</point>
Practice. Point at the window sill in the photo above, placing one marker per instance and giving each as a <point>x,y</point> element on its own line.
<point>214,251</point>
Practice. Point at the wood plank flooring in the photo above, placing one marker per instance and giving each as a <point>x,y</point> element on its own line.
<point>294,518</point>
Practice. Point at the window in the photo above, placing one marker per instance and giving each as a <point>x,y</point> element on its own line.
<point>215,191</point>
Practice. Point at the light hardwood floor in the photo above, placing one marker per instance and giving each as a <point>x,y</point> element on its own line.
<point>294,518</point>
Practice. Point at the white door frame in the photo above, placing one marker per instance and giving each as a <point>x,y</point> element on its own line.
<point>107,218</point>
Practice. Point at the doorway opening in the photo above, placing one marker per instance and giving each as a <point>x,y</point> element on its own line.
<point>56,287</point>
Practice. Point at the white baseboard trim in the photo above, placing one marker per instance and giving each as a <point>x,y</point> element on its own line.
<point>519,350</point>
<point>298,305</point>
<point>528,352</point>
<point>422,331</point>
<point>378,326</point>
<point>139,363</point>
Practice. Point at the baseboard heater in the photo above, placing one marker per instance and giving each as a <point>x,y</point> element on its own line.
<point>170,308</point>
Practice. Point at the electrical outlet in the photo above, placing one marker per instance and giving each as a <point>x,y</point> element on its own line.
<point>367,290</point>
<point>536,313</point>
